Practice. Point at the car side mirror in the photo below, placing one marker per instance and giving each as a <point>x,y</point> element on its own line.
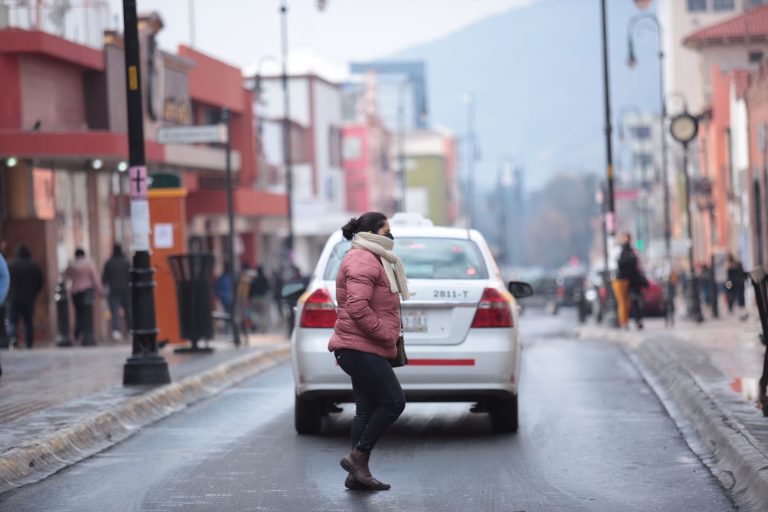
<point>520,290</point>
<point>292,290</point>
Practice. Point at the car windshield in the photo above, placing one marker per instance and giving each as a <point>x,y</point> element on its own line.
<point>426,258</point>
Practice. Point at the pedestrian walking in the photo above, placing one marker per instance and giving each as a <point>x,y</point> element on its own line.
<point>116,277</point>
<point>365,336</point>
<point>259,295</point>
<point>85,283</point>
<point>705,284</point>
<point>629,281</point>
<point>277,292</point>
<point>26,284</point>
<point>734,285</point>
<point>3,334</point>
<point>223,289</point>
<point>5,283</point>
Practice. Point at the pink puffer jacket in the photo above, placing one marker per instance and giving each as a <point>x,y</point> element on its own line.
<point>368,312</point>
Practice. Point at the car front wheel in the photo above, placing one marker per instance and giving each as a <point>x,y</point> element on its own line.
<point>307,415</point>
<point>504,414</point>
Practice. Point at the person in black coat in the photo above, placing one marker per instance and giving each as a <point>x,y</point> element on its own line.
<point>116,276</point>
<point>26,284</point>
<point>734,286</point>
<point>629,270</point>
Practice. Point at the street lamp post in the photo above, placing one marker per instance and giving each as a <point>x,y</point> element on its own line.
<point>631,61</point>
<point>684,128</point>
<point>287,159</point>
<point>225,118</point>
<point>609,206</point>
<point>145,366</point>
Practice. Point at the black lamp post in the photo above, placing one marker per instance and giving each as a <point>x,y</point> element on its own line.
<point>145,366</point>
<point>684,128</point>
<point>609,205</point>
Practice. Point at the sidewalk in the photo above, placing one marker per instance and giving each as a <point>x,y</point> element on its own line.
<point>61,405</point>
<point>707,376</point>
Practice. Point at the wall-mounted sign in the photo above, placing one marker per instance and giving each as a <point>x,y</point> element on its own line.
<point>192,134</point>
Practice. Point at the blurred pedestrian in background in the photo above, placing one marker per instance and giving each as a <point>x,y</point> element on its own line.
<point>3,334</point>
<point>734,285</point>
<point>84,284</point>
<point>259,295</point>
<point>5,282</point>
<point>116,277</point>
<point>708,295</point>
<point>223,289</point>
<point>628,279</point>
<point>26,284</point>
<point>277,292</point>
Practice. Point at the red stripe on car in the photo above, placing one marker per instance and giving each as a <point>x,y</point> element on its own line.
<point>441,362</point>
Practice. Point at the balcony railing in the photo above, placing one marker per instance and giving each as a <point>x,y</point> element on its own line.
<point>83,23</point>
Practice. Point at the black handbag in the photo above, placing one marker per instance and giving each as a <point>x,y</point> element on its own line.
<point>400,359</point>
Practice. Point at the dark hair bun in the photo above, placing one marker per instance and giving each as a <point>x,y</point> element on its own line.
<point>350,228</point>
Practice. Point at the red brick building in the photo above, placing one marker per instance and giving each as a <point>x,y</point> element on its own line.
<point>63,147</point>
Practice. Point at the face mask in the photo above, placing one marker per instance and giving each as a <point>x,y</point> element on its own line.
<point>389,235</point>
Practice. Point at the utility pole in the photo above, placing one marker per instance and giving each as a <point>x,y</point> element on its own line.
<point>145,366</point>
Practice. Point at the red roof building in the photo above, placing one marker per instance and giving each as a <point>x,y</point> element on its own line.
<point>749,27</point>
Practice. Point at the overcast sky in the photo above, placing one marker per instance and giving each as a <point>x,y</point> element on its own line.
<point>243,32</point>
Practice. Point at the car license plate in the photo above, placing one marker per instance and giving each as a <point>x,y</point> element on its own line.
<point>414,321</point>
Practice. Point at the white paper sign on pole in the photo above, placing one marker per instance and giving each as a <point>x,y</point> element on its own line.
<point>140,224</point>
<point>163,234</point>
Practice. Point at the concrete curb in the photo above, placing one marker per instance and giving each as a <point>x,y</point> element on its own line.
<point>724,444</point>
<point>43,457</point>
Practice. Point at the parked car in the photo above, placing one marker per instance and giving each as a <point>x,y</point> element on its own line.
<point>461,327</point>
<point>653,299</point>
<point>545,293</point>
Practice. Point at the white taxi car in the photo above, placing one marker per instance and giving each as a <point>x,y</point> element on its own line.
<point>461,327</point>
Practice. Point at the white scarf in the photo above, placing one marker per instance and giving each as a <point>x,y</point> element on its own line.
<point>382,246</point>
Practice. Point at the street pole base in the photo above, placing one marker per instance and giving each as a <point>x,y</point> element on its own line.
<point>146,370</point>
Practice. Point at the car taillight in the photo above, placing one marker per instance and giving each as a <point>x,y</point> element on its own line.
<point>560,292</point>
<point>318,311</point>
<point>493,311</point>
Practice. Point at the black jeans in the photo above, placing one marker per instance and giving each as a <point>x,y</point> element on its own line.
<point>83,302</point>
<point>378,396</point>
<point>26,313</point>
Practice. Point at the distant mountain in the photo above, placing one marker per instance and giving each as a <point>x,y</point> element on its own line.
<point>537,75</point>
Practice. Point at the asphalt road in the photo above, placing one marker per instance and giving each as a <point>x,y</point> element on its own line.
<point>593,437</point>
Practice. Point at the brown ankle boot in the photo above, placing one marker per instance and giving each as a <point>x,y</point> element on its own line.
<point>353,485</point>
<point>356,463</point>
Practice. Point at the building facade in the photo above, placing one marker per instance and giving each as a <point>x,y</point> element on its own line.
<point>318,182</point>
<point>63,145</point>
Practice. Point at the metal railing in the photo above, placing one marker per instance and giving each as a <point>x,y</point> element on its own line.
<point>83,23</point>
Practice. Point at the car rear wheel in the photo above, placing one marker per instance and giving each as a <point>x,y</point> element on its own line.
<point>504,414</point>
<point>307,415</point>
